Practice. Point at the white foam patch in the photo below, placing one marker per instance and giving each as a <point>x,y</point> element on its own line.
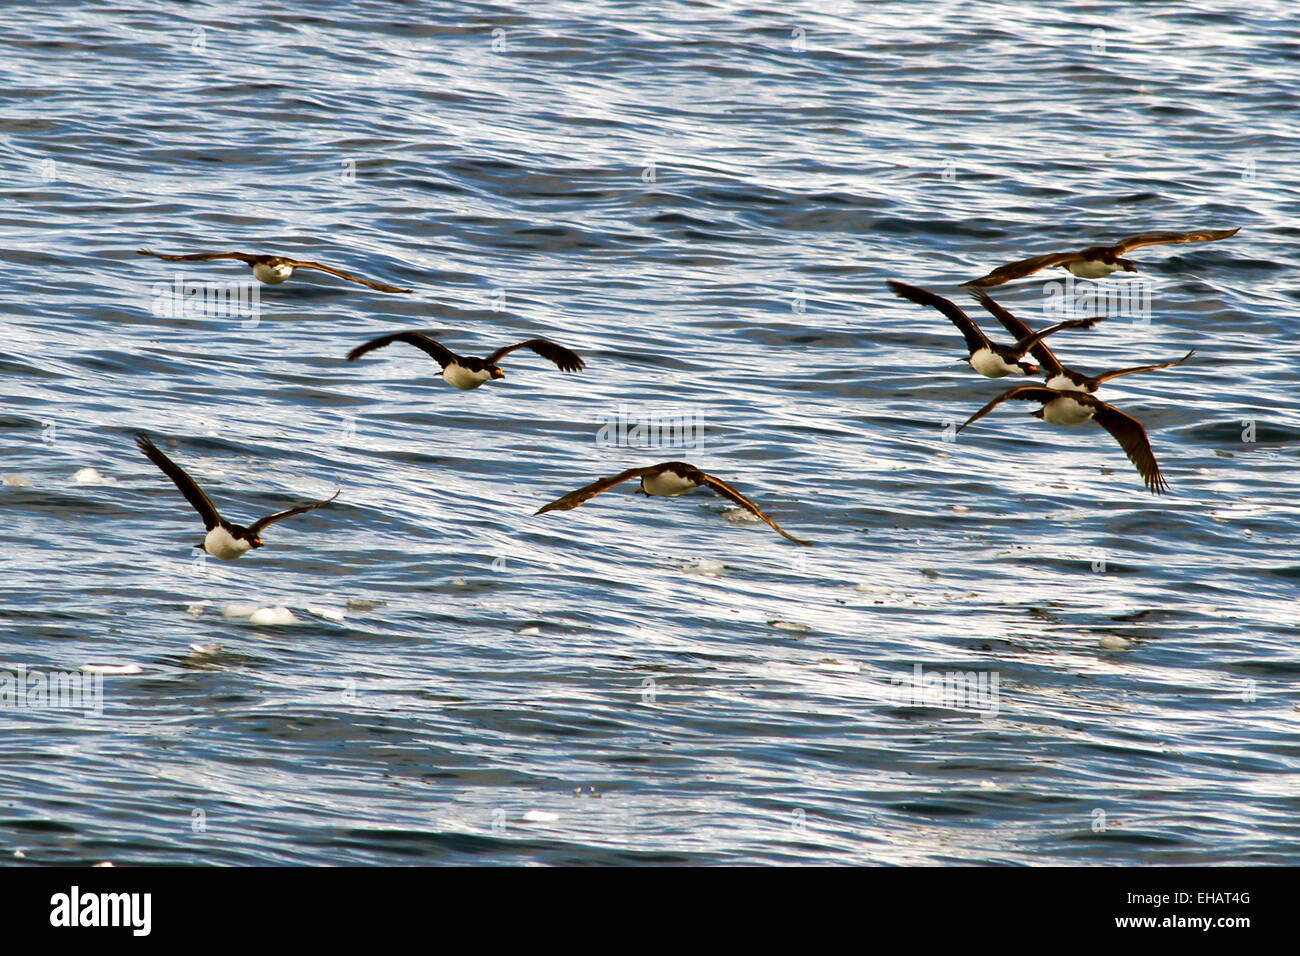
<point>706,567</point>
<point>17,481</point>
<point>328,613</point>
<point>884,595</point>
<point>741,516</point>
<point>788,626</point>
<point>540,816</point>
<point>359,604</point>
<point>111,669</point>
<point>272,615</point>
<point>838,667</point>
<point>196,607</point>
<point>239,610</point>
<point>205,650</point>
<point>1113,642</point>
<point>90,476</point>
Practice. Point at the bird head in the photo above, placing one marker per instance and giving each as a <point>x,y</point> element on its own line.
<point>1027,368</point>
<point>496,372</point>
<point>255,541</point>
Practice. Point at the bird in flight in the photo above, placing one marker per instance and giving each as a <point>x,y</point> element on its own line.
<point>1057,375</point>
<point>465,372</point>
<point>224,540</point>
<point>669,479</point>
<point>272,269</point>
<point>1096,261</point>
<point>986,356</point>
<point>1074,408</point>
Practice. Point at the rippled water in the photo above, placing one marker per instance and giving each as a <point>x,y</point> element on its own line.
<point>704,200</point>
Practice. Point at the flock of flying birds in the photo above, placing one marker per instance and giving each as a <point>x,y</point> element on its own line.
<point>228,541</point>
<point>1067,397</point>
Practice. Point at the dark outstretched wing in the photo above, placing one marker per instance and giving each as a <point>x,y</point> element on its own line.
<point>1017,270</point>
<point>566,359</point>
<point>1132,437</point>
<point>380,286</point>
<point>724,489</point>
<point>575,498</point>
<point>188,487</point>
<point>1029,341</point>
<point>1021,393</point>
<point>1116,373</point>
<point>200,256</point>
<point>418,339</point>
<point>1051,365</point>
<point>256,527</point>
<point>1161,238</point>
<point>975,339</point>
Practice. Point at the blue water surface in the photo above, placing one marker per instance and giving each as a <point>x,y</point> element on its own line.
<point>705,200</point>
